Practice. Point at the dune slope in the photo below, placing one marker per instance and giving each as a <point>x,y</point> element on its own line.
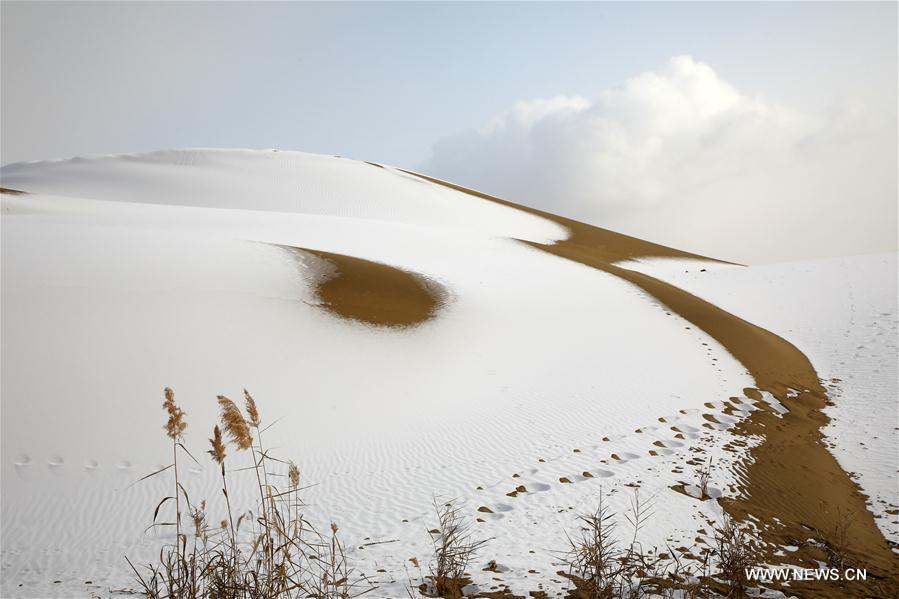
<point>411,338</point>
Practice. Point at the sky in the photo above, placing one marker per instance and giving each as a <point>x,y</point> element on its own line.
<point>753,132</point>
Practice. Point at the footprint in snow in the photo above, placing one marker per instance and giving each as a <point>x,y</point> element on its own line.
<point>486,512</point>
<point>624,456</point>
<point>55,463</point>
<point>721,426</point>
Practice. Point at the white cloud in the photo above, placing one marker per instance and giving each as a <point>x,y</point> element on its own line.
<point>683,158</point>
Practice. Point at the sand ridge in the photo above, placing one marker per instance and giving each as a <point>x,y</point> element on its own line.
<point>586,244</point>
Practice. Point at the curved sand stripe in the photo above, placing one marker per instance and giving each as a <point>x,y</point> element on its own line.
<point>374,293</point>
<point>791,475</point>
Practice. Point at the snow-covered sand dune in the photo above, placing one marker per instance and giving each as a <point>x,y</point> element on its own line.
<point>208,271</point>
<point>842,313</point>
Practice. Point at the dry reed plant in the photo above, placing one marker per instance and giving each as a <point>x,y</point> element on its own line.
<point>234,423</point>
<point>454,549</point>
<point>836,544</point>
<point>603,565</point>
<point>703,476</point>
<point>592,558</point>
<point>277,555</point>
<point>736,551</point>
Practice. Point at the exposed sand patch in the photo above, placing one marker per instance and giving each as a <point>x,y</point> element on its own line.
<point>374,293</point>
<point>793,487</point>
<point>12,191</point>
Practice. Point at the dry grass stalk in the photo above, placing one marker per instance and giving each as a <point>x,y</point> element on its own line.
<point>736,551</point>
<point>704,475</point>
<point>593,557</point>
<point>174,429</point>
<point>454,549</point>
<point>836,544</point>
<point>602,565</point>
<point>281,557</point>
<point>686,581</point>
<point>267,544</point>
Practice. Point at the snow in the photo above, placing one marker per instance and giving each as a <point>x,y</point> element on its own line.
<point>126,274</point>
<point>276,181</point>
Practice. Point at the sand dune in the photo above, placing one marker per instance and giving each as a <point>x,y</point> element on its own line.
<point>431,341</point>
<point>792,476</point>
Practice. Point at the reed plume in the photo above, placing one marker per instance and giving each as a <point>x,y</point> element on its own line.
<point>218,447</point>
<point>234,423</point>
<point>251,409</point>
<point>293,473</point>
<point>199,517</point>
<point>175,426</point>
